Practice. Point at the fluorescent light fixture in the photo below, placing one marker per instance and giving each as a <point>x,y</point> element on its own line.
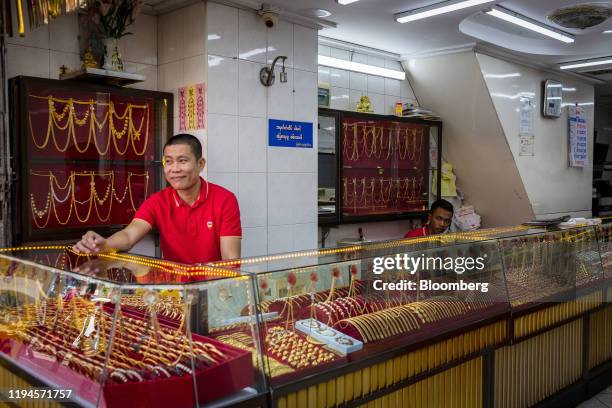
<point>554,86</point>
<point>437,9</point>
<point>607,32</point>
<point>345,2</point>
<point>525,22</point>
<point>502,76</point>
<point>569,89</point>
<point>213,37</point>
<point>587,64</point>
<point>364,68</point>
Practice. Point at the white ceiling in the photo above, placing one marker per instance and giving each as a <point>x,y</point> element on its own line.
<point>371,23</point>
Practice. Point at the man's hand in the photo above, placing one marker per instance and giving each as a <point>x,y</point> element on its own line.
<point>91,243</point>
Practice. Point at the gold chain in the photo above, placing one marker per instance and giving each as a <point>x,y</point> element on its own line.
<point>89,117</point>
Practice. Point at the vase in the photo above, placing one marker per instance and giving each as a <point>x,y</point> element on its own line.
<point>112,56</point>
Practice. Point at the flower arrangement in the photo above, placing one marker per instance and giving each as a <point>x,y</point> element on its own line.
<point>113,17</point>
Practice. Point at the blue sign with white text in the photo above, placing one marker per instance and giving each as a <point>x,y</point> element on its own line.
<point>286,133</point>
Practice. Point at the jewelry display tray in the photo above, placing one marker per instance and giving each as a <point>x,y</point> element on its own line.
<point>223,379</point>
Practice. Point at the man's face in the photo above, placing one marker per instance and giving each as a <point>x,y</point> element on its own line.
<point>439,220</point>
<point>181,168</point>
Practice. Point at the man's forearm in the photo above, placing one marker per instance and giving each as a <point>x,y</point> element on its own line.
<point>119,241</point>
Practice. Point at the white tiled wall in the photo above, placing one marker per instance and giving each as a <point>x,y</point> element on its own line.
<point>347,87</point>
<point>276,187</point>
<point>43,51</point>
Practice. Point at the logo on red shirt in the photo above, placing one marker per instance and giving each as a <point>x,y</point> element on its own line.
<point>209,224</point>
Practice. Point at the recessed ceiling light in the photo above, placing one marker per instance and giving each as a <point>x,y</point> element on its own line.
<point>585,64</point>
<point>316,12</point>
<point>345,2</point>
<point>526,22</point>
<point>436,9</point>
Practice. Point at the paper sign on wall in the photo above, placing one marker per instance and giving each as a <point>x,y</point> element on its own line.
<point>286,133</point>
<point>526,114</point>
<point>578,156</point>
<point>526,135</point>
<point>526,148</point>
<point>192,106</point>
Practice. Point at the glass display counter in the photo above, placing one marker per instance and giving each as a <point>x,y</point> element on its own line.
<point>119,330</point>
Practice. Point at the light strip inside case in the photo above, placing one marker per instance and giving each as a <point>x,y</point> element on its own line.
<point>363,68</point>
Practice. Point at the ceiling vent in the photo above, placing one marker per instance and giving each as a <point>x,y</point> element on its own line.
<point>581,15</point>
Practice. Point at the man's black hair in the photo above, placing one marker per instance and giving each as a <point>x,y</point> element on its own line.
<point>187,139</point>
<point>441,203</point>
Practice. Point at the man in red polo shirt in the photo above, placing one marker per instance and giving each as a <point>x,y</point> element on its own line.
<point>198,221</point>
<point>438,220</point>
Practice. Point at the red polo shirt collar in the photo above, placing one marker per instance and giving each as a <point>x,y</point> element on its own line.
<point>178,201</point>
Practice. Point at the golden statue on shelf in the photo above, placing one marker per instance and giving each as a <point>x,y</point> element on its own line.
<point>89,61</point>
<point>364,104</point>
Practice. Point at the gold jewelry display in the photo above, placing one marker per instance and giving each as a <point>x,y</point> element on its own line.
<point>68,115</point>
<point>371,193</point>
<point>59,194</point>
<point>370,141</point>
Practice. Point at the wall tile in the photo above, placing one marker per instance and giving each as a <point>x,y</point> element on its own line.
<point>280,201</point>
<point>323,76</point>
<point>392,87</point>
<point>170,36</point>
<point>292,198</point>
<point>170,76</point>
<point>222,22</point>
<point>252,142</point>
<point>376,84</point>
<point>360,58</point>
<point>378,103</point>
<point>339,98</point>
<point>253,197</point>
<point>39,37</point>
<point>142,46</point>
<point>194,70</point>
<point>339,78</point>
<point>251,93</point>
<point>406,90</point>
<point>251,37</point>
<point>222,143</point>
<point>280,239</point>
<point>304,48</point>
<point>324,50</point>
<point>226,180</point>
<point>292,160</point>
<point>305,96</point>
<point>376,61</point>
<point>222,85</point>
<point>392,64</point>
<point>19,61</point>
<point>194,30</point>
<point>254,241</point>
<point>57,58</point>
<point>280,42</point>
<point>358,81</point>
<point>64,33</point>
<point>149,71</point>
<point>305,236</point>
<point>280,97</point>
<point>338,53</point>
